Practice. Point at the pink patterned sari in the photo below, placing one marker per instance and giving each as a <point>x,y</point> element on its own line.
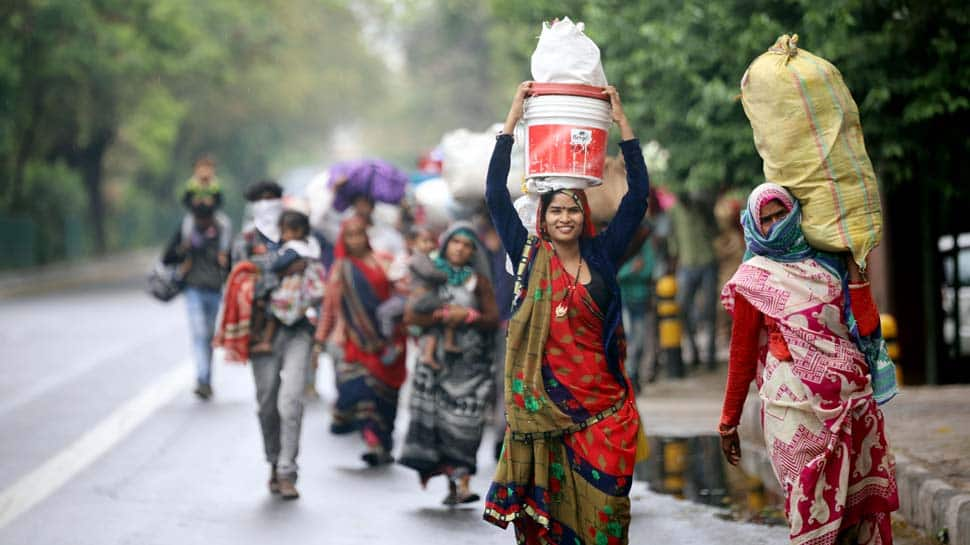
<point>822,428</point>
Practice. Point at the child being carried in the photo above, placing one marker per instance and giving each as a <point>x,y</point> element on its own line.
<point>420,284</point>
<point>302,281</point>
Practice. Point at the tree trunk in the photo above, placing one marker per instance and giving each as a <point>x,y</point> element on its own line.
<point>91,164</point>
<point>25,148</point>
<point>27,119</point>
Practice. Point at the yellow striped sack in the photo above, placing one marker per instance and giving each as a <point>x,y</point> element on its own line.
<point>807,130</point>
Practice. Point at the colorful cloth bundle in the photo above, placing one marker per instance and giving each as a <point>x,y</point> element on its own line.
<point>233,327</point>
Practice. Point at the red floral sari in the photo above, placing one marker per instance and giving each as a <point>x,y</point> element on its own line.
<point>571,486</point>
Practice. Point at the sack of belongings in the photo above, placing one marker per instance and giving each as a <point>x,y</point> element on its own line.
<point>807,130</point>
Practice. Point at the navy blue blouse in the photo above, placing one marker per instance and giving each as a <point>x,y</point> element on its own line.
<point>603,253</point>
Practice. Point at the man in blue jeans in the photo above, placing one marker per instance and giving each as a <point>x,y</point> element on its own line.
<point>203,270</point>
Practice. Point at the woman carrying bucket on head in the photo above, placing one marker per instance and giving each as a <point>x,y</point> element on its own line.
<point>573,433</point>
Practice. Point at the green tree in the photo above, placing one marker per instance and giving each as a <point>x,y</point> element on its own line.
<point>678,66</point>
<point>451,73</point>
<point>124,94</point>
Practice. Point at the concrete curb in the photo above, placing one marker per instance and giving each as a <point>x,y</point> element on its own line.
<point>925,501</point>
<point>108,270</point>
<point>931,504</point>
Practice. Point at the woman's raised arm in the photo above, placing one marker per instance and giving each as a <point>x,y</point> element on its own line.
<point>634,204</point>
<point>504,216</point>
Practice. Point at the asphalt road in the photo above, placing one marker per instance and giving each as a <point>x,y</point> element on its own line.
<point>101,442</point>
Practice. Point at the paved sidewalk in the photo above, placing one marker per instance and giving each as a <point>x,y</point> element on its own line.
<point>928,429</point>
<point>109,270</point>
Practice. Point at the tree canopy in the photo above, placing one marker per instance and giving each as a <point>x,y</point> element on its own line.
<point>678,66</point>
<point>111,101</point>
<point>104,104</point>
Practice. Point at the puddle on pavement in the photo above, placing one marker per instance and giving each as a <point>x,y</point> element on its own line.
<point>693,468</point>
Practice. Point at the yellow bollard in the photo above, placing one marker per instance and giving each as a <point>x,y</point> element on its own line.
<point>890,333</point>
<point>756,495</point>
<point>675,464</point>
<point>668,314</point>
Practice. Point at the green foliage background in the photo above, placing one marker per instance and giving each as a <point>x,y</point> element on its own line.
<point>104,104</point>
<point>678,66</point>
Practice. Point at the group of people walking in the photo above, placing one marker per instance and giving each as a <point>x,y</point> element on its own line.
<point>803,321</point>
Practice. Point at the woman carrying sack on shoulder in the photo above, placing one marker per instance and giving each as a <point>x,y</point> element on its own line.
<point>806,325</point>
<point>574,432</point>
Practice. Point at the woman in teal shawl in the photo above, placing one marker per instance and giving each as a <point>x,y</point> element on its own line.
<point>449,400</point>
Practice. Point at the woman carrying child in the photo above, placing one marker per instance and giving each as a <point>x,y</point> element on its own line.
<point>454,384</point>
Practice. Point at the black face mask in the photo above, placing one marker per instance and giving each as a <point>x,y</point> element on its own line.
<point>203,210</point>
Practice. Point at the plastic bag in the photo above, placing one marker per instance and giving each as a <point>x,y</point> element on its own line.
<point>807,130</point>
<point>545,185</point>
<point>527,207</point>
<point>565,54</point>
<point>464,163</point>
<point>465,156</point>
<point>434,198</point>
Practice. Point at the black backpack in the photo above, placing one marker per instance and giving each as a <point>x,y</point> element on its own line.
<point>164,281</point>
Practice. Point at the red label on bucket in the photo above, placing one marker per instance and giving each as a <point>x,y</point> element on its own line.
<point>566,150</point>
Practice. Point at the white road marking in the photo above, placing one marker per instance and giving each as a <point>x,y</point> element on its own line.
<point>32,488</point>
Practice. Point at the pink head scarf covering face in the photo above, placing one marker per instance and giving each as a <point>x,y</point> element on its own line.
<point>764,193</point>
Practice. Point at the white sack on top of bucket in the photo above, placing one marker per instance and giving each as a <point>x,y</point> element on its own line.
<point>464,163</point>
<point>565,54</point>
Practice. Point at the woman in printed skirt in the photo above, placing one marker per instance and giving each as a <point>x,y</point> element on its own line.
<point>450,397</point>
<point>805,324</point>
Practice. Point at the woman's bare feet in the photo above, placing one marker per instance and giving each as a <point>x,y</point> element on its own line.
<point>430,362</point>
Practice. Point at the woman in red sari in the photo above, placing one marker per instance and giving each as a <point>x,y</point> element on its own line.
<point>574,431</point>
<point>367,388</point>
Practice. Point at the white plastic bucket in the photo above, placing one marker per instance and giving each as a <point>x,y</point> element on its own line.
<point>566,136</point>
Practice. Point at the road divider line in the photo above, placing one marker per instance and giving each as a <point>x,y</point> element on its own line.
<point>34,487</point>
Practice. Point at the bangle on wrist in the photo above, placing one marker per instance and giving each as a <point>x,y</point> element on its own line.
<point>724,431</point>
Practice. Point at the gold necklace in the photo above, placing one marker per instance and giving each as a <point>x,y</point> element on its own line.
<point>563,305</point>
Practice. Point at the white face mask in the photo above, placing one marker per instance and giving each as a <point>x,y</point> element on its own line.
<point>266,216</point>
